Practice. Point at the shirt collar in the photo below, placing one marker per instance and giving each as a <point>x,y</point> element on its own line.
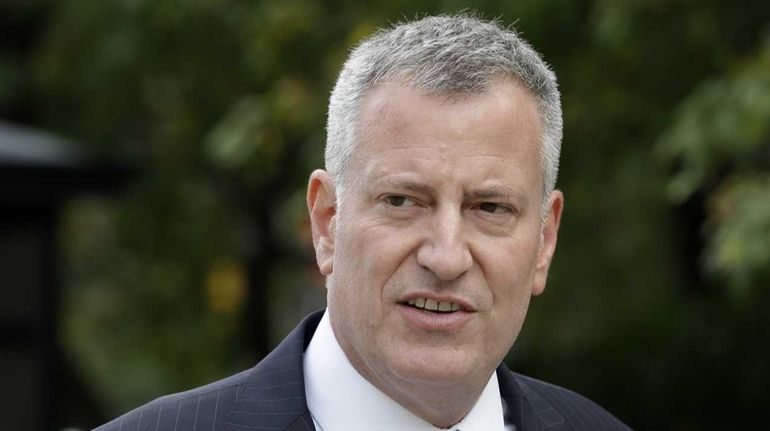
<point>340,399</point>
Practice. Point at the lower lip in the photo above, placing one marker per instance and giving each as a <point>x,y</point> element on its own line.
<point>430,321</point>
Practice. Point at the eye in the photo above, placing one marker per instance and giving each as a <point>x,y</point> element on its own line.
<point>494,208</point>
<point>399,201</point>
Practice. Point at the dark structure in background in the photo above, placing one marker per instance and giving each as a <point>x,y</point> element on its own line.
<point>38,172</point>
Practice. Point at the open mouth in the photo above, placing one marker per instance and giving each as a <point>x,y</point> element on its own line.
<point>428,304</point>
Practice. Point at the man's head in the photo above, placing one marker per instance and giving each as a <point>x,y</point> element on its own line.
<point>455,56</point>
<point>432,226</point>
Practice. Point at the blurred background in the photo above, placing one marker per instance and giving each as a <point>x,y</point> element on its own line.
<point>153,233</point>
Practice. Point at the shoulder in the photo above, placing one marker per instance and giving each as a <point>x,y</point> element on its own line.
<point>577,411</point>
<point>271,395</point>
<point>564,409</point>
<point>204,406</point>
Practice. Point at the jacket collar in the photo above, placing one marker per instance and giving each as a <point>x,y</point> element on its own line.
<point>273,394</point>
<point>527,410</point>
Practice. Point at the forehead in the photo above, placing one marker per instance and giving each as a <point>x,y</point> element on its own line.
<point>405,125</point>
<point>505,107</point>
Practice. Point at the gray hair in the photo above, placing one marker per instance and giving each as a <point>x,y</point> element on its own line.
<point>443,54</point>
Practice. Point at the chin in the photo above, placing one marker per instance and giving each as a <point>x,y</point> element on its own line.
<point>442,367</point>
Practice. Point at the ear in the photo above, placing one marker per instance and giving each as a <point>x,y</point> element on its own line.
<point>321,203</point>
<point>548,237</point>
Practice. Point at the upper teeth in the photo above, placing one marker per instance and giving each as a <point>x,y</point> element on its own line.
<point>433,305</point>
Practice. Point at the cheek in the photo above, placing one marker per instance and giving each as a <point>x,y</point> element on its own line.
<point>353,287</point>
<point>375,252</point>
<point>509,272</point>
<point>511,267</point>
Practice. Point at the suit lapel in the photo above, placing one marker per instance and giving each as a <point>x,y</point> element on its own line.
<point>273,394</point>
<point>525,408</point>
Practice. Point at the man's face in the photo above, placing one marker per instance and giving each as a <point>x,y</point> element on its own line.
<point>438,240</point>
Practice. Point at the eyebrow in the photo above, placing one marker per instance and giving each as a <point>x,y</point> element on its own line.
<point>405,184</point>
<point>494,191</point>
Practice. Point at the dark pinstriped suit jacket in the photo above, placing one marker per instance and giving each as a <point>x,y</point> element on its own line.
<point>271,396</point>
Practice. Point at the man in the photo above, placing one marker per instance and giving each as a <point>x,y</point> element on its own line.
<point>434,223</point>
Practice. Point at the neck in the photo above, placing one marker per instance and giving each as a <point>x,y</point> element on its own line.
<point>441,404</point>
<point>442,407</point>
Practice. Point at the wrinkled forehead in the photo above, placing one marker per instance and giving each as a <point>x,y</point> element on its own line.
<point>396,105</point>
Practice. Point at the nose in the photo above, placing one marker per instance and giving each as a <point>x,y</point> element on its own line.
<point>444,251</point>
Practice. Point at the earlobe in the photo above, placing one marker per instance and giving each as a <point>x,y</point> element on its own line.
<point>549,234</point>
<point>321,203</point>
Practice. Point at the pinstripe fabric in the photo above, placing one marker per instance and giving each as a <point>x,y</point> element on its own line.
<point>271,396</point>
<point>533,405</point>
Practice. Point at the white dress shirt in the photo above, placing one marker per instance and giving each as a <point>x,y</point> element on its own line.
<point>340,399</point>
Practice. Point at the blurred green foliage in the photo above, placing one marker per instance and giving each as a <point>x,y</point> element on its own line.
<point>720,137</point>
<point>656,307</point>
